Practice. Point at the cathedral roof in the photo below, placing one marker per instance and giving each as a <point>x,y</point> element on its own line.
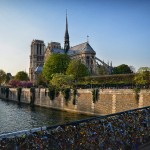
<point>75,50</point>
<point>57,50</point>
<point>39,69</point>
<point>82,48</point>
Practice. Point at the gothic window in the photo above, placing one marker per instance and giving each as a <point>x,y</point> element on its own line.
<point>40,49</point>
<point>87,60</point>
<point>37,49</point>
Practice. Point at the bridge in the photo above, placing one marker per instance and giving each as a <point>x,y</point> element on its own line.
<point>116,131</point>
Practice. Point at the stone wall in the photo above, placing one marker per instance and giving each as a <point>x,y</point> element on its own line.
<point>109,100</point>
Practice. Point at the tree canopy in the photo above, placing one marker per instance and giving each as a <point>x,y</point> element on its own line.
<point>21,76</point>
<point>8,77</point>
<point>56,63</point>
<point>61,81</point>
<point>77,69</point>
<point>122,69</point>
<point>41,80</point>
<point>2,76</point>
<point>141,69</point>
<point>142,78</point>
<point>102,70</point>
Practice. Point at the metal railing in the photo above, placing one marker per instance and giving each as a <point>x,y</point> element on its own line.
<point>75,123</point>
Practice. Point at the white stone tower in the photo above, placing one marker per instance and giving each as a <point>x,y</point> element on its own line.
<point>36,57</point>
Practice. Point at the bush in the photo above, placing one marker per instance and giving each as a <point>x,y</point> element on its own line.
<point>32,96</point>
<point>137,91</point>
<point>74,96</point>
<point>95,95</point>
<point>19,91</point>
<point>7,92</point>
<point>66,94</point>
<point>17,83</point>
<point>51,93</point>
<point>61,81</point>
<point>122,79</point>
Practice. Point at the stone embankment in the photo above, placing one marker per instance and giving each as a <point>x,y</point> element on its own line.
<point>108,100</point>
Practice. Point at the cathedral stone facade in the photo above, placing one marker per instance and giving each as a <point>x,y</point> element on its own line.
<point>83,52</point>
<point>36,57</point>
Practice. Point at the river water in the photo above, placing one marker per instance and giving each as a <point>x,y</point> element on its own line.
<point>14,117</point>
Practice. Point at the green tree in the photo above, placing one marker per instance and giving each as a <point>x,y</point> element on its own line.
<point>62,81</point>
<point>77,69</point>
<point>41,80</point>
<point>2,76</point>
<point>142,78</point>
<point>102,70</point>
<point>22,76</point>
<point>122,69</point>
<point>8,77</point>
<point>56,63</point>
<point>141,69</point>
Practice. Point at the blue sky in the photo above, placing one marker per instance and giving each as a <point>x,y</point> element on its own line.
<point>119,30</point>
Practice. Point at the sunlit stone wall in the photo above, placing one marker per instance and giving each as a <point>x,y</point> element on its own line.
<point>109,100</point>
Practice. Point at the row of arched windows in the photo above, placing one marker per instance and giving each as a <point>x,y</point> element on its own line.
<point>39,49</point>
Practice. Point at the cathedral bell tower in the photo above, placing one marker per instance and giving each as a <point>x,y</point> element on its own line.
<point>36,57</point>
<point>66,39</point>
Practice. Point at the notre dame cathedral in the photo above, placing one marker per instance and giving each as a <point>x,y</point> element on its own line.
<point>83,52</point>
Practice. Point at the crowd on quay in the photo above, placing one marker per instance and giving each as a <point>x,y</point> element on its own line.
<point>123,131</point>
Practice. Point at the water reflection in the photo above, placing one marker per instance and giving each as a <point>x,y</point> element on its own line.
<point>14,117</point>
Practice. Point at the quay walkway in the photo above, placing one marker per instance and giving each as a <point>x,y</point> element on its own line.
<point>125,130</point>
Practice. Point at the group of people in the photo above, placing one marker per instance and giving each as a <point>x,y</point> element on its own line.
<point>124,131</point>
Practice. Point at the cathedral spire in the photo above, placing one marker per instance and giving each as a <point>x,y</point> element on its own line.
<point>66,40</point>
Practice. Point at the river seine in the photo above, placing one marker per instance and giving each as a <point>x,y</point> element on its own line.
<point>14,117</point>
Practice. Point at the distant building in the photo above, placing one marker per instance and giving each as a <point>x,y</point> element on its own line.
<point>83,52</point>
